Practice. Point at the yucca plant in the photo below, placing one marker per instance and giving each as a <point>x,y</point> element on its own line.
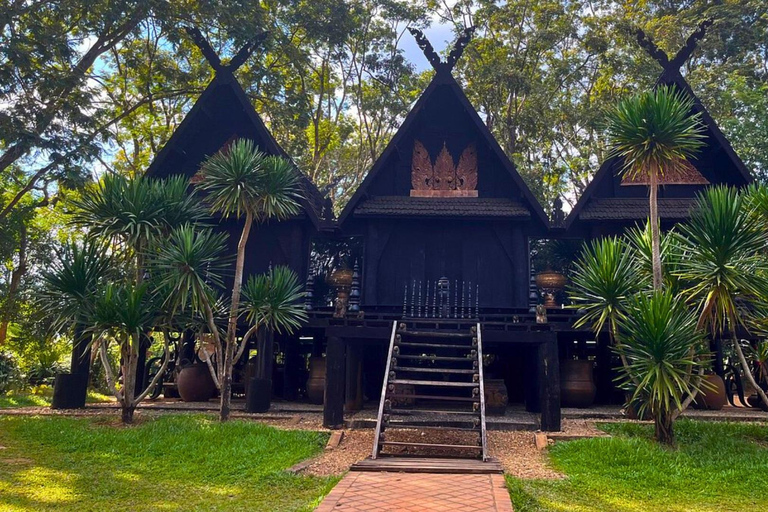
<point>69,286</point>
<point>241,181</point>
<point>189,265</point>
<point>127,219</point>
<point>122,314</point>
<point>653,133</point>
<point>640,240</point>
<point>725,266</point>
<point>663,350</point>
<point>131,212</point>
<point>604,277</point>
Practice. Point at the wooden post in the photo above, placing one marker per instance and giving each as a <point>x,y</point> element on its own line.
<point>333,410</point>
<point>354,381</point>
<point>293,362</point>
<point>531,378</point>
<point>549,384</point>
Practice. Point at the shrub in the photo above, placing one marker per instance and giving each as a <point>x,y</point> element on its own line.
<point>10,377</point>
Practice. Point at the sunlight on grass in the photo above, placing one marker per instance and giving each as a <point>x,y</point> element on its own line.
<point>178,462</point>
<point>718,467</point>
<point>41,397</point>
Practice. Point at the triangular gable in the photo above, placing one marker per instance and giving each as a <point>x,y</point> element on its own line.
<point>442,79</point>
<point>221,113</point>
<point>670,76</point>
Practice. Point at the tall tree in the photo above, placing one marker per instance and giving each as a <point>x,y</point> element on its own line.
<point>654,133</point>
<point>241,181</point>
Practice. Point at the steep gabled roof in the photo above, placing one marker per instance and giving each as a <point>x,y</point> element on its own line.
<point>223,97</point>
<point>443,77</point>
<point>670,76</point>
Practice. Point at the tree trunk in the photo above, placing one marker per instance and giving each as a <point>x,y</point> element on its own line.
<point>748,372</point>
<point>663,429</point>
<point>226,385</point>
<point>127,414</point>
<point>655,235</point>
<point>13,288</point>
<point>229,345</point>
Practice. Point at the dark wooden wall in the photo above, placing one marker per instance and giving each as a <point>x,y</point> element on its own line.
<point>491,254</point>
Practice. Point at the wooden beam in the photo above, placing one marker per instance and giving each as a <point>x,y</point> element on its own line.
<point>333,410</point>
<point>549,385</point>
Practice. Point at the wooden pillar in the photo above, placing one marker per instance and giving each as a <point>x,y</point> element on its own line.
<point>293,362</point>
<point>141,364</point>
<point>549,385</point>
<point>354,380</point>
<point>531,372</point>
<point>333,410</point>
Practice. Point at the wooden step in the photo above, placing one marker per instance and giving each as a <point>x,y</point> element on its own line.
<point>436,334</point>
<point>433,358</point>
<point>432,445</point>
<point>398,425</point>
<point>433,345</point>
<point>441,383</point>
<point>434,370</point>
<point>446,412</point>
<point>435,397</point>
<point>406,464</point>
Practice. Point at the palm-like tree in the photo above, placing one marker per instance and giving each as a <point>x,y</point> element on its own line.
<point>241,181</point>
<point>132,212</point>
<point>654,133</point>
<point>272,300</point>
<point>725,265</point>
<point>123,218</point>
<point>604,277</point>
<point>657,335</point>
<point>68,290</point>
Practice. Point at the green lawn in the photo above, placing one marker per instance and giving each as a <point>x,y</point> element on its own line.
<point>717,467</point>
<point>42,398</point>
<point>179,462</point>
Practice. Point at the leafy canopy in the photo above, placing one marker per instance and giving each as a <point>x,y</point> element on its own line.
<point>654,131</point>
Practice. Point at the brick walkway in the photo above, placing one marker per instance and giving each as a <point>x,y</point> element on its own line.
<point>417,492</point>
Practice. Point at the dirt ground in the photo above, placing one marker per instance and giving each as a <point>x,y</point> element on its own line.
<point>516,450</point>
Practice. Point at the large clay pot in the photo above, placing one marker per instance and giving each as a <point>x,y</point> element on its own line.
<point>577,384</point>
<point>195,383</point>
<point>316,380</point>
<point>496,397</point>
<point>711,398</point>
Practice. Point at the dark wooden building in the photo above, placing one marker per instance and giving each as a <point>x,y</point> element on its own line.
<point>222,114</point>
<point>611,203</point>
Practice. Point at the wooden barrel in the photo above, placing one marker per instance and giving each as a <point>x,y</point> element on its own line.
<point>577,384</point>
<point>316,380</point>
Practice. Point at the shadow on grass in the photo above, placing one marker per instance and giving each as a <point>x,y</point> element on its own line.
<point>716,467</point>
<point>169,463</point>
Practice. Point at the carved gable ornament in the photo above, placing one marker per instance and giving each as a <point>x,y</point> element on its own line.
<point>683,174</point>
<point>443,179</point>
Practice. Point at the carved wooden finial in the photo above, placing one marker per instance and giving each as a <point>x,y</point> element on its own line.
<point>682,56</point>
<point>212,57</point>
<point>426,47</point>
<point>459,45</point>
<point>431,54</point>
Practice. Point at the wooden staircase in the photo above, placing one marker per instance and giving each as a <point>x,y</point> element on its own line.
<point>432,401</point>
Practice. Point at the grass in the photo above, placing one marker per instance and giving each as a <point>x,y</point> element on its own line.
<point>173,462</point>
<point>41,397</point>
<point>717,467</point>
